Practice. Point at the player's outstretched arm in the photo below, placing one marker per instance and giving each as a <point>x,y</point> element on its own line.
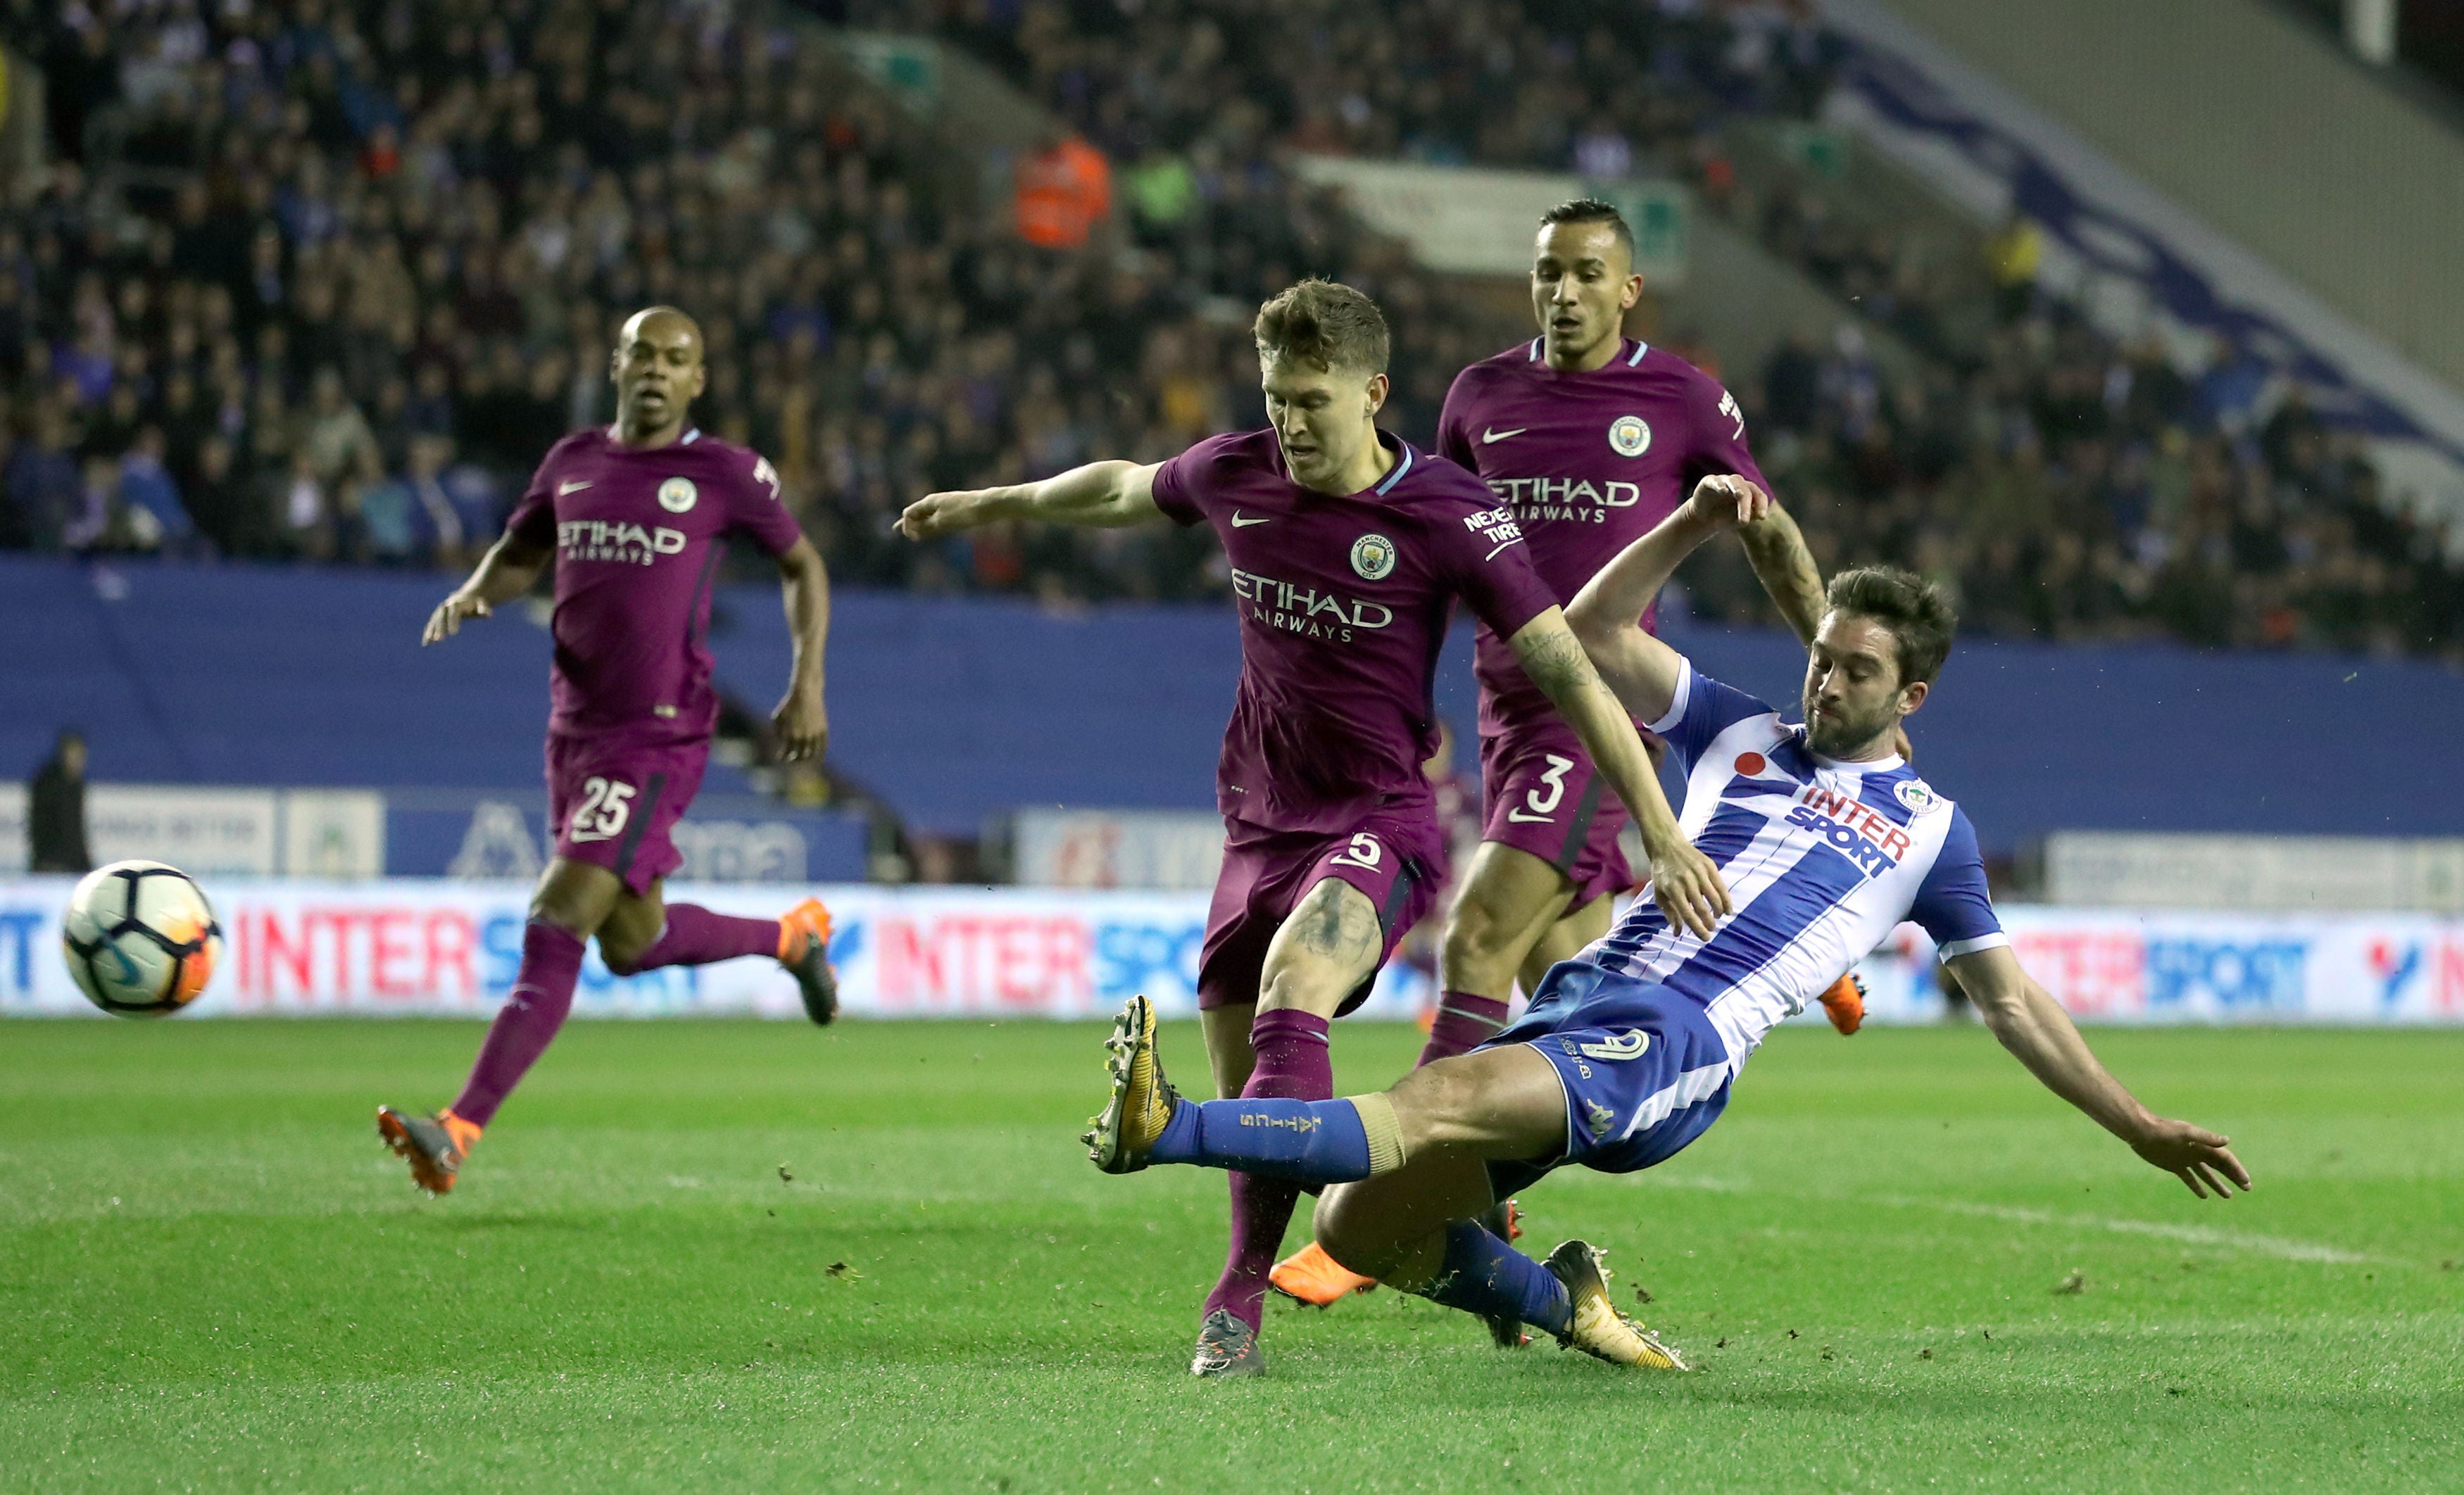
<point>1607,614</point>
<point>504,573</point>
<point>1105,494</point>
<point>1684,883</point>
<point>1776,549</point>
<point>2029,1024</point>
<point>801,721</point>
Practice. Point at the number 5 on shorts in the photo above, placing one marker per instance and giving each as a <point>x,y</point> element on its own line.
<point>605,808</point>
<point>1364,851</point>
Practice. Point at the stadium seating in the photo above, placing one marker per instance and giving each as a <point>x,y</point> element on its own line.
<point>453,241</point>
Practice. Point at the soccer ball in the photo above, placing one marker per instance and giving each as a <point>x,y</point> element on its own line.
<point>141,938</point>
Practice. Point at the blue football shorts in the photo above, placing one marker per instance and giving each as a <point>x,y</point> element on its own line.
<point>1644,1071</point>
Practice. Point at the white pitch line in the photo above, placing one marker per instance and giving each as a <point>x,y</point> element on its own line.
<point>2194,1234</point>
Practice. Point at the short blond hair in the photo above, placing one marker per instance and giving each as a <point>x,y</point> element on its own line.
<point>1324,323</point>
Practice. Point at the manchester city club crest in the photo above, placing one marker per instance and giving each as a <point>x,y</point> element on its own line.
<point>1373,558</point>
<point>677,495</point>
<point>1630,436</point>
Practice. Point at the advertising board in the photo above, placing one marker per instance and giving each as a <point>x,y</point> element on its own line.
<point>439,947</point>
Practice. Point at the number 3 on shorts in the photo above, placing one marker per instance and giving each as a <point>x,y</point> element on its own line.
<point>1364,851</point>
<point>1544,807</point>
<point>605,808</point>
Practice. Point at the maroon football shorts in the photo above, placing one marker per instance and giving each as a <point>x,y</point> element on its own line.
<point>1544,797</point>
<point>1397,861</point>
<point>615,803</point>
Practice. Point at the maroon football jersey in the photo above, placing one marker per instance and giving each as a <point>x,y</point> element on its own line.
<point>1344,603</point>
<point>1589,462</point>
<point>637,543</point>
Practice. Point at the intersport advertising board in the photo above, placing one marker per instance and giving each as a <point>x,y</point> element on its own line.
<point>419,947</point>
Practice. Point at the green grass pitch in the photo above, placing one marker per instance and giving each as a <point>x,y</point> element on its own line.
<point>211,1277</point>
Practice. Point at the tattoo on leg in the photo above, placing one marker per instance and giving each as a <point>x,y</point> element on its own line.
<point>1334,927</point>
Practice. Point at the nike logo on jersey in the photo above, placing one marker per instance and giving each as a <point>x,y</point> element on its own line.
<point>1488,436</point>
<point>576,486</point>
<point>1241,521</point>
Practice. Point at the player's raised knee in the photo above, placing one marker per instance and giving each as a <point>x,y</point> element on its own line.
<point>1479,950</point>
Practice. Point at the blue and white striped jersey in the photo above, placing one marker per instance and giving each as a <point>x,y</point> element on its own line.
<point>1823,859</point>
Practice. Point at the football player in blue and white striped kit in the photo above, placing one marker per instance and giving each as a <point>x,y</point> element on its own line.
<point>1827,841</point>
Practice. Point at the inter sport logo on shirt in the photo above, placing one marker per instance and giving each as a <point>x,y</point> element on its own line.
<point>1852,828</point>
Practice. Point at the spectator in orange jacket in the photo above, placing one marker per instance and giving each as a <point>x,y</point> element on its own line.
<point>1065,188</point>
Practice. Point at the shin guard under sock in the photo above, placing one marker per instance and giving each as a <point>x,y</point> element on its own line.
<point>1303,1142</point>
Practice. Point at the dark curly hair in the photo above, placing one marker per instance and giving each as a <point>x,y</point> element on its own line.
<point>1920,619</point>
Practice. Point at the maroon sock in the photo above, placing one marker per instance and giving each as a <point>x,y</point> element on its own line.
<point>1293,1064</point>
<point>542,995</point>
<point>697,936</point>
<point>1464,1023</point>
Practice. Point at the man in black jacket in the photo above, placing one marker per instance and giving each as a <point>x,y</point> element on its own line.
<point>55,810</point>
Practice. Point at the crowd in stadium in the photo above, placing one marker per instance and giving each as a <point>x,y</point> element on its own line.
<point>358,262</point>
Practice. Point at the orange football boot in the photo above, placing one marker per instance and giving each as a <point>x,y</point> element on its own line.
<point>1311,1276</point>
<point>805,950</point>
<point>1844,1003</point>
<point>434,1146</point>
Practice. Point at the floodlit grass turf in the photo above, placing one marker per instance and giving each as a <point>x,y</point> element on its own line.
<point>211,1277</point>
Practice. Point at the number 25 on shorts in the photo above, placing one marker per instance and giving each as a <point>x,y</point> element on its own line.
<point>605,808</point>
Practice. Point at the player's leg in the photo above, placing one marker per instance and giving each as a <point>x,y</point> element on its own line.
<point>1507,899</point>
<point>1329,947</point>
<point>1569,936</point>
<point>1547,809</point>
<point>646,932</point>
<point>1510,899</point>
<point>572,900</point>
<point>1401,1164</point>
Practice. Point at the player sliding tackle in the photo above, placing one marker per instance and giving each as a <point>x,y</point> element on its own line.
<point>1348,549</point>
<point>1829,841</point>
<point>1592,438</point>
<point>633,516</point>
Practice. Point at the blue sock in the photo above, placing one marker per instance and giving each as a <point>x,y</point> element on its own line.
<point>1303,1141</point>
<point>1486,1276</point>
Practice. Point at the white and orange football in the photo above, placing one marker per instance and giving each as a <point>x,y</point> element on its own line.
<point>140,938</point>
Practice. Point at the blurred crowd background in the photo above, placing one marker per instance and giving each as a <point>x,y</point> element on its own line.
<point>320,281</point>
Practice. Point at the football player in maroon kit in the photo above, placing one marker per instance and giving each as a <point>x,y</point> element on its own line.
<point>633,516</point>
<point>1348,550</point>
<point>1592,438</point>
